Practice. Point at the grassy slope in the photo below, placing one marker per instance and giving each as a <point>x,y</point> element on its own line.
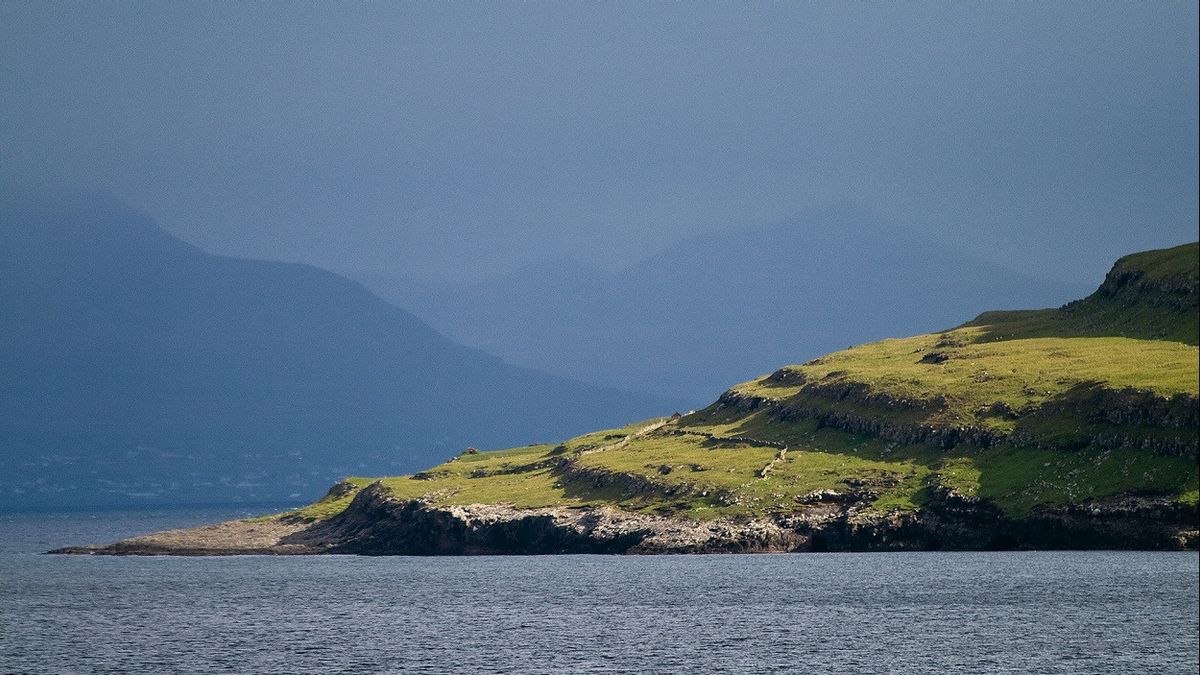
<point>722,479</point>
<point>1000,373</point>
<point>963,388</point>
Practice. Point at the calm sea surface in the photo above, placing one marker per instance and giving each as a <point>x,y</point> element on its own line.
<point>921,612</point>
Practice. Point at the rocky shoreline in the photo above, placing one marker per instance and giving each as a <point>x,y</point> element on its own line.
<point>378,523</point>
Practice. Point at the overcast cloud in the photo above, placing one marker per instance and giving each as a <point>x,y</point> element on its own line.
<point>460,139</point>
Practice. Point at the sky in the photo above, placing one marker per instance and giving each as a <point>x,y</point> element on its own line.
<point>456,140</point>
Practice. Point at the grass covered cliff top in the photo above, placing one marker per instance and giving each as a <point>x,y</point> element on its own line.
<point>1149,295</point>
<point>1094,400</point>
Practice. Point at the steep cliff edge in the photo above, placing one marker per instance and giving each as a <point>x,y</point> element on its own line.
<point>376,522</point>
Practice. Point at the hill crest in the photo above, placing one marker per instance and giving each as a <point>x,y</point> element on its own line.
<point>1152,295</point>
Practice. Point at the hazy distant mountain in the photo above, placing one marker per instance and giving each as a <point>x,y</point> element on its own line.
<point>136,364</point>
<point>724,307</point>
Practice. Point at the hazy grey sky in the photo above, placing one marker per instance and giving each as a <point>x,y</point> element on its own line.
<point>445,139</point>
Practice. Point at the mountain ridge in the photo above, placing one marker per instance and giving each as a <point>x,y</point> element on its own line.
<point>720,306</point>
<point>138,367</point>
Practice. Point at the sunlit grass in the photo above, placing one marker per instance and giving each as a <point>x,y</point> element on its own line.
<point>1033,372</point>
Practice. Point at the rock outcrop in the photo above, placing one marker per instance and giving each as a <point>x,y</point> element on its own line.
<point>1114,418</point>
<point>378,523</point>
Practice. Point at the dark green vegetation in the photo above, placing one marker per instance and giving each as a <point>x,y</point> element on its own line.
<point>137,368</point>
<point>1020,412</point>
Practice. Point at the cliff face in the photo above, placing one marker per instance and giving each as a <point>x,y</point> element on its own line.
<point>378,523</point>
<point>1165,278</point>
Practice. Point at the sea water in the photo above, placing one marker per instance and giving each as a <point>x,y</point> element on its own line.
<point>1054,612</point>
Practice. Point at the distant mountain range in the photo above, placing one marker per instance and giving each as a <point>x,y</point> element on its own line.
<point>138,367</point>
<point>723,307</point>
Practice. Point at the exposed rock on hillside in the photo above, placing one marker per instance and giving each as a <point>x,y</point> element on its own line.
<point>377,523</point>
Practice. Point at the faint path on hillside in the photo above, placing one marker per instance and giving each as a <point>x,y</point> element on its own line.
<point>762,473</point>
<point>650,428</point>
